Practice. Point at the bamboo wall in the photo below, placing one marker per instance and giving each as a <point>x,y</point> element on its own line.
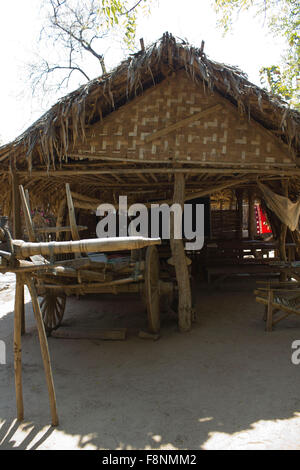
<point>219,137</point>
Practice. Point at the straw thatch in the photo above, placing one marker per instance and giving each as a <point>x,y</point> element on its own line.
<point>49,141</point>
<point>60,127</point>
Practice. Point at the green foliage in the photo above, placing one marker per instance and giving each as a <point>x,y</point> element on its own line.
<point>123,13</point>
<point>282,18</point>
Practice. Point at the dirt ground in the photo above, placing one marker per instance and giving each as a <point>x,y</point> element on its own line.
<point>225,385</point>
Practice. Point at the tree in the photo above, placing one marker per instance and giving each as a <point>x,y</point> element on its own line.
<point>282,17</point>
<point>78,30</point>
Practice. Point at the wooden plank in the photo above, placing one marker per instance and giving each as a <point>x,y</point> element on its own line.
<point>103,334</point>
<point>183,123</point>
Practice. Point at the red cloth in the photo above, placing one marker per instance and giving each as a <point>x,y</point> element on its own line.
<point>262,224</point>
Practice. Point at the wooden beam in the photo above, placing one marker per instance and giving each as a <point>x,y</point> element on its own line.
<point>131,171</point>
<point>183,123</point>
<point>127,158</point>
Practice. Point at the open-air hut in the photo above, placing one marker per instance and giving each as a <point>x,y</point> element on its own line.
<point>168,124</point>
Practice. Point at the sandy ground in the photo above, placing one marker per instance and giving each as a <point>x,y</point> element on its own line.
<point>225,385</point>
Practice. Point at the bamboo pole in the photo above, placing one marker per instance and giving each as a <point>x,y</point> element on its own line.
<point>44,349</point>
<point>19,301</point>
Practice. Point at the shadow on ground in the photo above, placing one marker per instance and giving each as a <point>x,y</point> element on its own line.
<point>225,384</point>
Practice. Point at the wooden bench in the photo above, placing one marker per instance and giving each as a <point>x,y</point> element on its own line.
<point>224,271</point>
<point>278,297</point>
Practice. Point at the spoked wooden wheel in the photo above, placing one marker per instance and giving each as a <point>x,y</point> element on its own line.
<point>53,309</point>
<point>152,288</point>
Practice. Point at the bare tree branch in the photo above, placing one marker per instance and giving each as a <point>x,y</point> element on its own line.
<point>77,29</point>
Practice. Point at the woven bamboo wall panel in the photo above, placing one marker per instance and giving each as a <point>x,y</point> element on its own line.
<point>217,136</point>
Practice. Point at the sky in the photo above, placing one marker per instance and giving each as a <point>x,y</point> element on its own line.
<point>248,46</point>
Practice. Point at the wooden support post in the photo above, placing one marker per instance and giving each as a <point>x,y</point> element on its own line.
<point>270,311</point>
<point>19,301</point>
<point>27,215</point>
<point>60,217</point>
<point>251,218</point>
<point>73,224</point>
<point>179,259</point>
<point>239,196</point>
<point>17,234</point>
<point>16,203</point>
<point>282,236</point>
<point>44,348</point>
<point>23,321</point>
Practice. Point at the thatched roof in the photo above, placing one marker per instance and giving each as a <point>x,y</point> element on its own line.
<point>54,134</point>
<point>42,156</point>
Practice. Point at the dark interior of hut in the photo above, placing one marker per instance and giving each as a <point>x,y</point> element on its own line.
<point>241,235</point>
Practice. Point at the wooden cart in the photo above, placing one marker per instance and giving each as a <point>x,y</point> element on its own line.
<point>117,269</point>
<point>54,280</point>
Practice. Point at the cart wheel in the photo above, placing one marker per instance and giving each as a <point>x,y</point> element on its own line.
<point>152,288</point>
<point>53,309</point>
